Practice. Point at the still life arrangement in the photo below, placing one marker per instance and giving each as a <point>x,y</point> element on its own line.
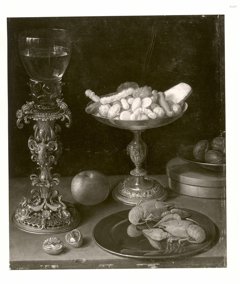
<point>152,228</point>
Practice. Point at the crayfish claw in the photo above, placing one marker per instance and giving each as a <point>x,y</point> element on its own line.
<point>195,222</point>
<point>180,241</point>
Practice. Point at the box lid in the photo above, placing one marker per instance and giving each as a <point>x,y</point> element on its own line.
<point>191,174</point>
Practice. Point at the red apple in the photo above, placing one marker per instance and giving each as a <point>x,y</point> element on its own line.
<point>90,187</point>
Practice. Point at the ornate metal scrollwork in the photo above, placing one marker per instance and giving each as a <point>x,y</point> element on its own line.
<point>137,150</point>
<point>44,211</point>
<point>24,114</point>
<point>64,112</point>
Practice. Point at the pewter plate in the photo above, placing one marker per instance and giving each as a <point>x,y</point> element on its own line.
<point>111,235</point>
<point>139,124</point>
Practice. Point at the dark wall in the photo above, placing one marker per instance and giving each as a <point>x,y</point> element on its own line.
<point>157,51</point>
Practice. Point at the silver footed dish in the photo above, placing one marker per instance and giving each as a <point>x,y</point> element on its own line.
<point>137,124</point>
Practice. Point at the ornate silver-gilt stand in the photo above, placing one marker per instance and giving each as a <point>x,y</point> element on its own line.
<point>44,211</point>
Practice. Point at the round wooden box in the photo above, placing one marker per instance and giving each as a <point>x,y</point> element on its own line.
<point>193,180</point>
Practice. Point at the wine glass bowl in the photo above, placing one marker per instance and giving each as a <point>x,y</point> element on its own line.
<point>45,53</point>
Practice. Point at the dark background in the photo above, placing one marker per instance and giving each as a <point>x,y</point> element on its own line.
<point>159,51</point>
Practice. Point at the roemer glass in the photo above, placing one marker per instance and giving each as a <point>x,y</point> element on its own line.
<point>45,55</point>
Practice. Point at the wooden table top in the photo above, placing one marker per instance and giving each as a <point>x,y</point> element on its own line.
<point>26,248</point>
